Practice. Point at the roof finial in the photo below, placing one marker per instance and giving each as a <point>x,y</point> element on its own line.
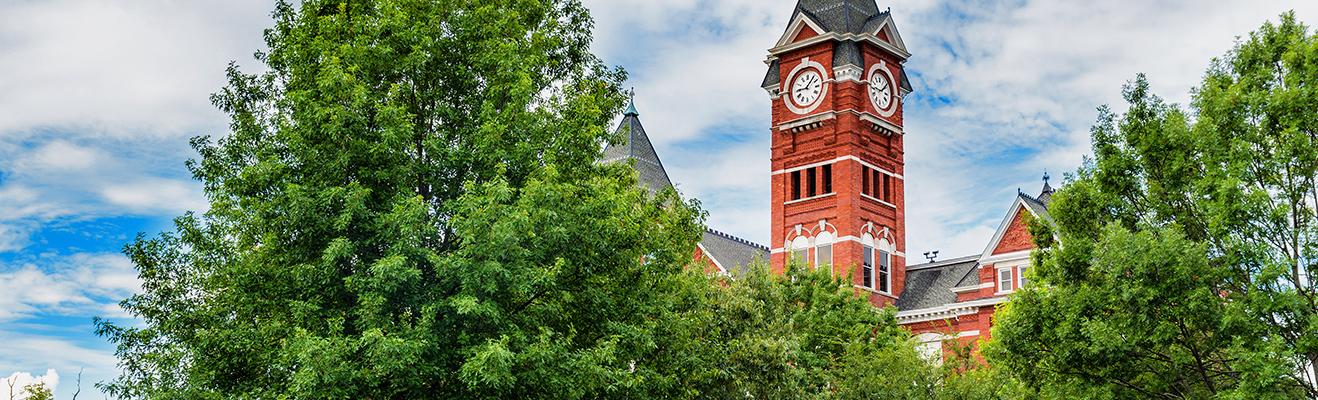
<point>631,104</point>
<point>1046,195</point>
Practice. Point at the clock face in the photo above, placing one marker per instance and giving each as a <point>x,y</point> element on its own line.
<point>880,90</point>
<point>807,88</point>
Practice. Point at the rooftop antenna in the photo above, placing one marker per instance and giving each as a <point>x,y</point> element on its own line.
<point>931,255</point>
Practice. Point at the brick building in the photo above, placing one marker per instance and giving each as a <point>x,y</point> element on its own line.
<point>836,82</point>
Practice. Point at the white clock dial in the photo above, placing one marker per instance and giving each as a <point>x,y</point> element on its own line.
<point>807,88</point>
<point>880,90</point>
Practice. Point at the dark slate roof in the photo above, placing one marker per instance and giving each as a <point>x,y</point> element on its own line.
<point>1037,206</point>
<point>772,77</point>
<point>906,82</point>
<point>636,146</point>
<point>842,16</point>
<point>930,285</point>
<point>847,52</point>
<point>734,254</point>
<point>971,279</point>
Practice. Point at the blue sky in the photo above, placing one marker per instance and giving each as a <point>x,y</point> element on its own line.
<point>98,99</point>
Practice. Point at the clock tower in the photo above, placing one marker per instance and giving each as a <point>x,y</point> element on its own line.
<point>836,85</point>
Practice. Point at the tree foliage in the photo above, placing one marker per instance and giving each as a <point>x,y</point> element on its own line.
<point>408,206</point>
<point>37,391</point>
<point>1177,262</point>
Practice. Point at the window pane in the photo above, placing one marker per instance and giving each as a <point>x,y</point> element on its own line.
<point>931,351</point>
<point>828,179</point>
<point>884,271</point>
<point>796,185</point>
<point>1004,279</point>
<point>878,183</point>
<point>1022,275</point>
<point>864,180</point>
<point>810,182</point>
<point>824,255</point>
<point>887,188</point>
<point>867,267</point>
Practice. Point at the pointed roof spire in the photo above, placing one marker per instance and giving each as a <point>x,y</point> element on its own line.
<point>631,105</point>
<point>1046,194</point>
<point>636,146</point>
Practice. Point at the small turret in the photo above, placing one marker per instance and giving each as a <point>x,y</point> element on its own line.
<point>1046,195</point>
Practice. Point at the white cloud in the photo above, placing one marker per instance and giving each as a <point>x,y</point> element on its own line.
<point>12,386</point>
<point>155,195</point>
<point>69,180</point>
<point>63,360</point>
<point>81,285</point>
<point>74,287</point>
<point>120,68</point>
<point>99,97</point>
<point>62,155</point>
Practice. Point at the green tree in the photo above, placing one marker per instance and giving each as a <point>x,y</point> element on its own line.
<point>37,391</point>
<point>408,206</point>
<point>1178,265</point>
<point>804,335</point>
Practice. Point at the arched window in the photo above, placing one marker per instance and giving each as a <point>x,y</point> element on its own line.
<point>824,250</point>
<point>930,347</point>
<point>885,266</point>
<point>867,261</point>
<point>801,250</point>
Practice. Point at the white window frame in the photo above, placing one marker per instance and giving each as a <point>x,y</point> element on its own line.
<point>883,257</point>
<point>1020,275</point>
<point>884,261</point>
<point>1010,279</point>
<point>824,239</point>
<point>800,244</point>
<point>930,347</point>
<point>867,241</point>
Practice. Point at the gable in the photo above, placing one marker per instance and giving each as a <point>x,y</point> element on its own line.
<point>1013,235</point>
<point>1017,236</point>
<point>886,31</point>
<point>806,33</point>
<point>801,28</point>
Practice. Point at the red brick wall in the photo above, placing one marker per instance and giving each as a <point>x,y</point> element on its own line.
<point>700,258</point>
<point>806,33</point>
<point>981,321</point>
<point>1017,237</point>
